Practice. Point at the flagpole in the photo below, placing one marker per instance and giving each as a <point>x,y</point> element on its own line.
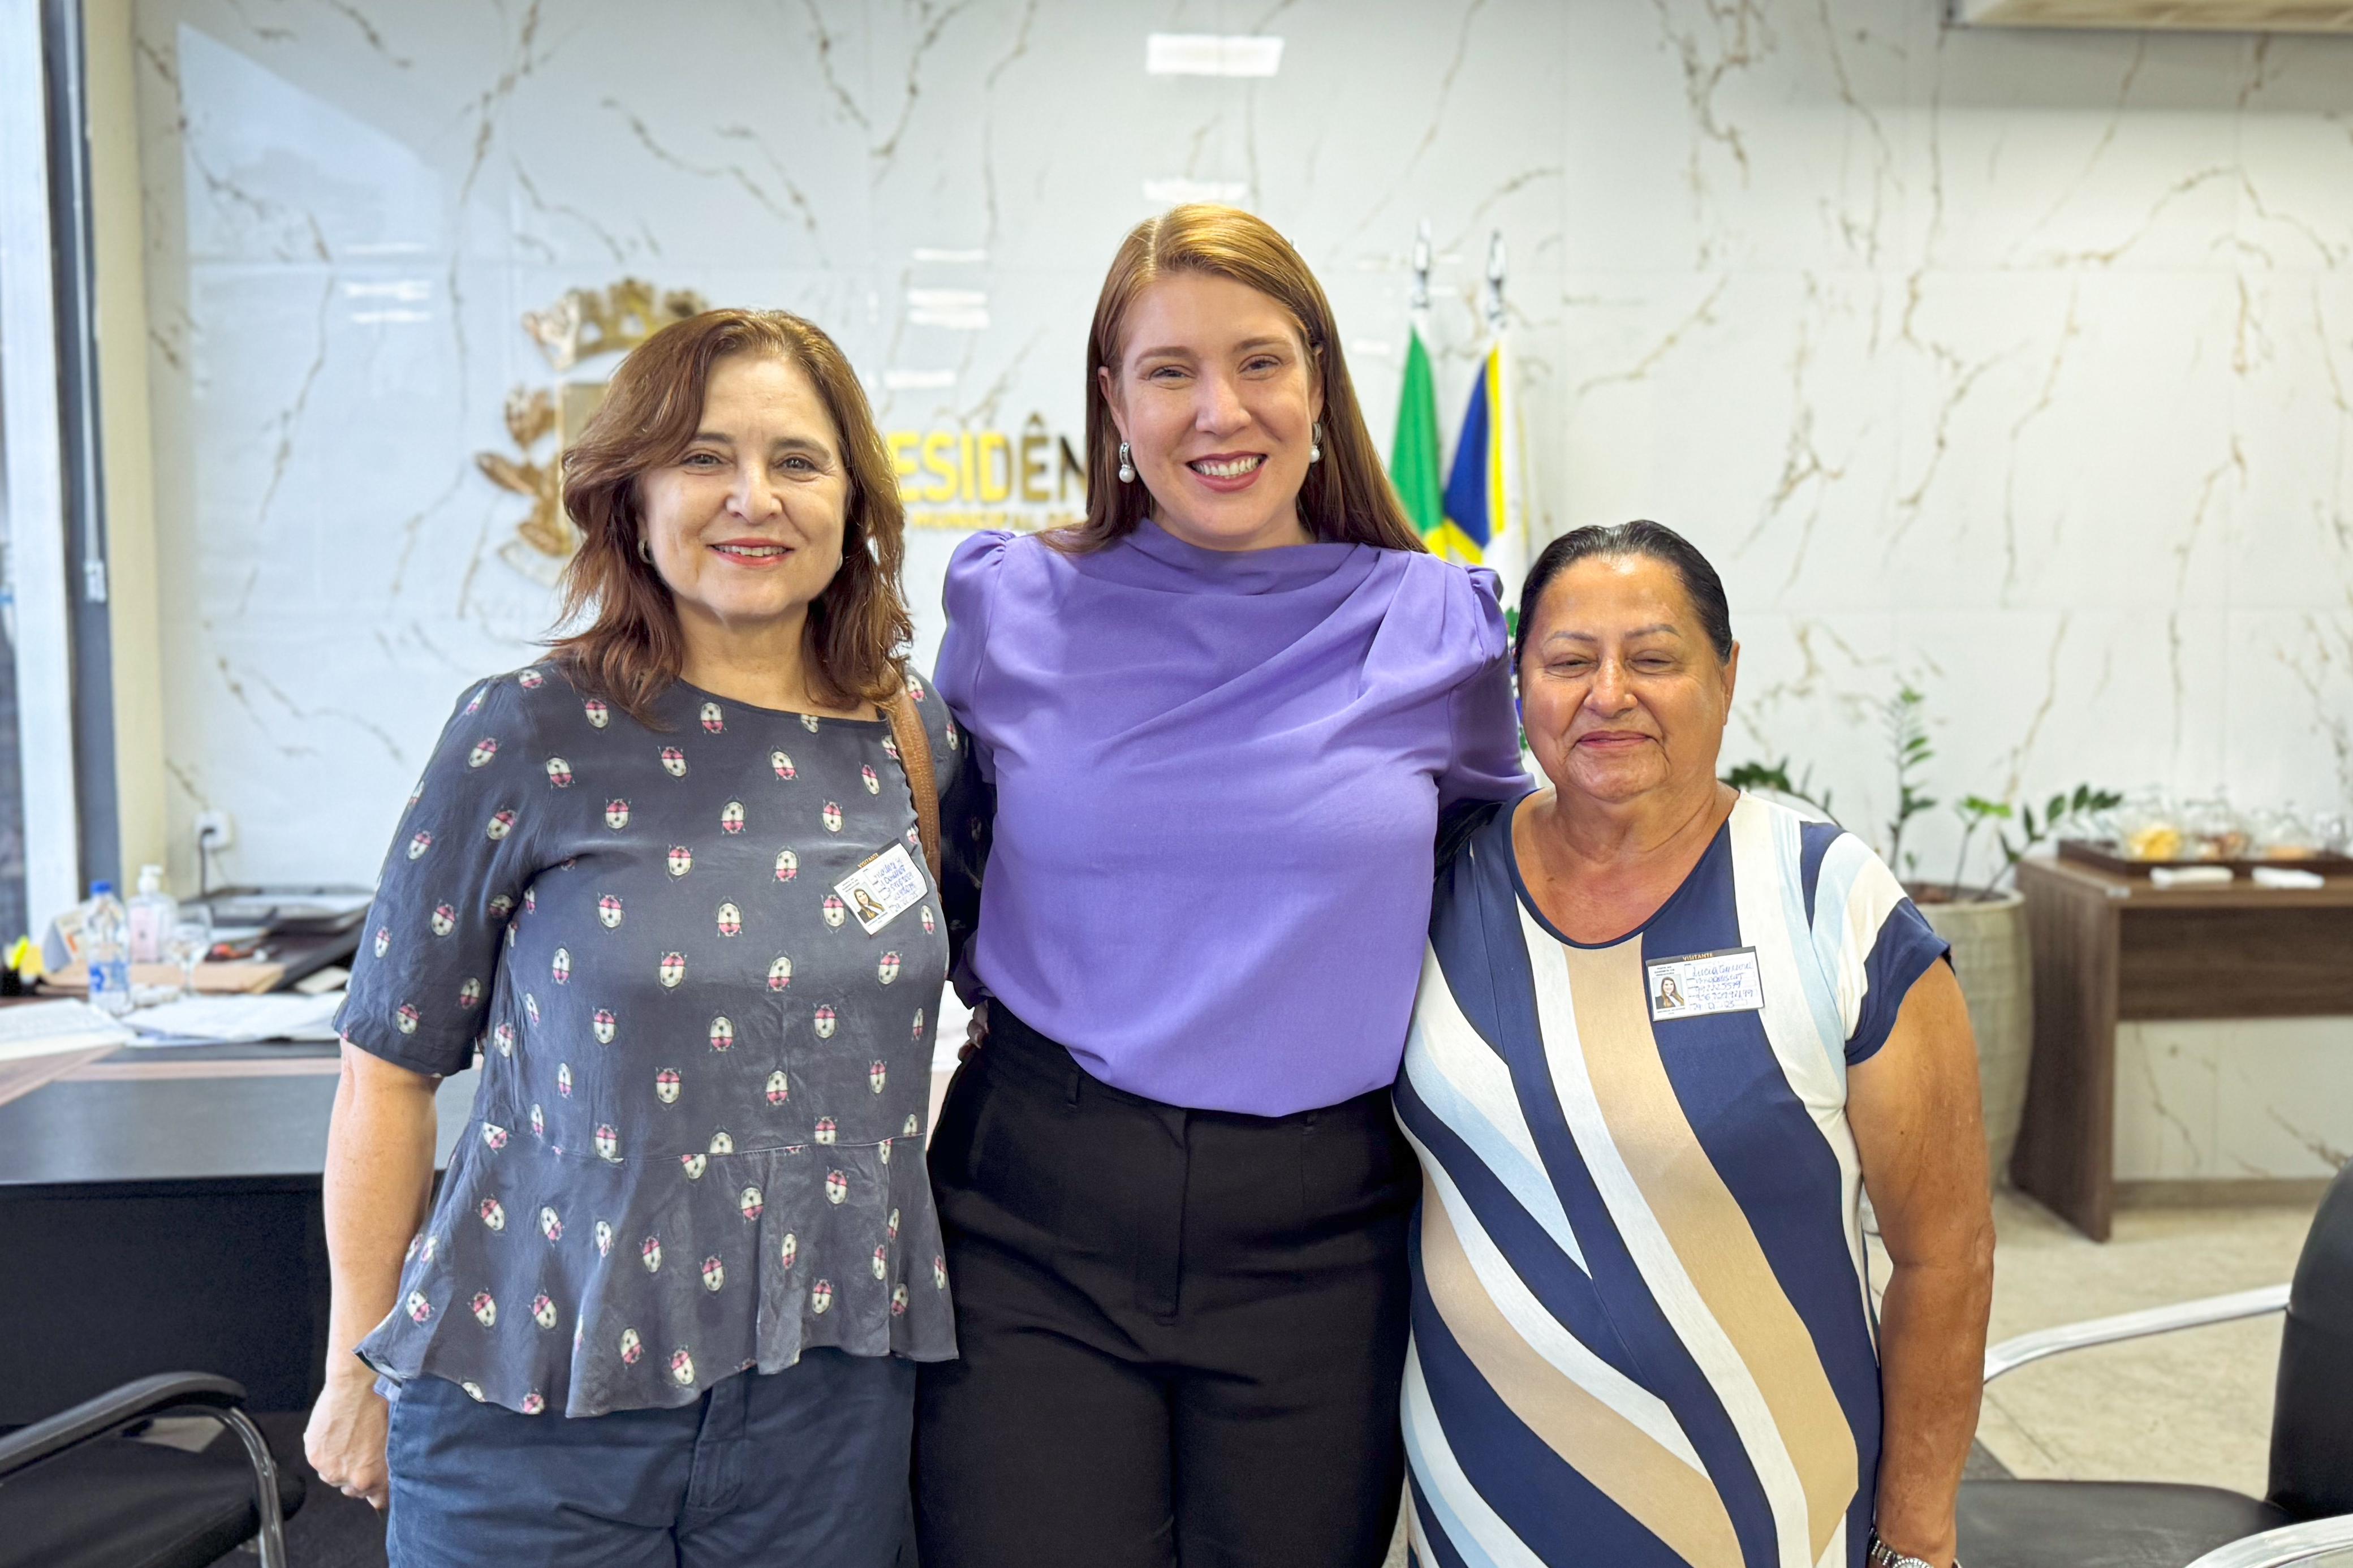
<point>1415,465</point>
<point>1495,283</point>
<point>1511,560</point>
<point>1417,305</point>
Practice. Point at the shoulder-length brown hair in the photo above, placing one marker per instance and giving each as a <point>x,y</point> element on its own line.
<point>631,650</point>
<point>1346,497</point>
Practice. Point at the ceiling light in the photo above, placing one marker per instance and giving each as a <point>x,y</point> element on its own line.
<point>1212,54</point>
<point>1176,191</point>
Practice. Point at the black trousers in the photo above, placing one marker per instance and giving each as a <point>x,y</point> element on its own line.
<point>1181,1332</point>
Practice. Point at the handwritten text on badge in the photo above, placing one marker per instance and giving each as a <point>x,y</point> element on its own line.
<point>882,888</point>
<point>1704,983</point>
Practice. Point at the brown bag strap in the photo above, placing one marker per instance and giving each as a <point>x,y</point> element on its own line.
<point>916,757</point>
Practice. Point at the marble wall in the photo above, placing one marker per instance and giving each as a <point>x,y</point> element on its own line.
<point>2264,1097</point>
<point>2015,365</point>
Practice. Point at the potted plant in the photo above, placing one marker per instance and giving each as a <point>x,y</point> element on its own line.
<point>1985,921</point>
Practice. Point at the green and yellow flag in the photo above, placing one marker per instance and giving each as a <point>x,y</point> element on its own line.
<point>1414,465</point>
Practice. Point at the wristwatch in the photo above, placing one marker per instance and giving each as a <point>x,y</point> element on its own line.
<point>1882,1555</point>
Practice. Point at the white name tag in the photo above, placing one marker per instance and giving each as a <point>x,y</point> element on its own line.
<point>1704,983</point>
<point>883,888</point>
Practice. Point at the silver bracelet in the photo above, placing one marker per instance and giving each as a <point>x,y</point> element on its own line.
<point>1882,1555</point>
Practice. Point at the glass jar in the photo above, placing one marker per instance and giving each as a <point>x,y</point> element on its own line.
<point>2213,830</point>
<point>2334,831</point>
<point>2149,826</point>
<point>2283,833</point>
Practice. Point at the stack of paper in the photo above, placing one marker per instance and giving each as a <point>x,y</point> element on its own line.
<point>46,1028</point>
<point>285,1015</point>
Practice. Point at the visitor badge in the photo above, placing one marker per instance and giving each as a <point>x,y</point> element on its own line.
<point>884,887</point>
<point>1703,983</point>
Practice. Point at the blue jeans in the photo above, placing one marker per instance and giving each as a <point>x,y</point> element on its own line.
<point>807,1465</point>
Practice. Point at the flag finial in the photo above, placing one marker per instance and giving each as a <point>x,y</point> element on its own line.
<point>1421,297</point>
<point>1496,281</point>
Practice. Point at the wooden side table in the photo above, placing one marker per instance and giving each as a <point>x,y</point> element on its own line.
<point>2110,949</point>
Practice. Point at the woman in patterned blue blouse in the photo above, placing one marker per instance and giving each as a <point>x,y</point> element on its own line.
<point>667,1307</point>
<point>1667,1036</point>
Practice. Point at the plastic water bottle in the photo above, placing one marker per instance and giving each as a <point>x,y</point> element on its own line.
<point>102,938</point>
<point>152,912</point>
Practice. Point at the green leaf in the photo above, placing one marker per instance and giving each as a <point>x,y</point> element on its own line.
<point>1762,776</point>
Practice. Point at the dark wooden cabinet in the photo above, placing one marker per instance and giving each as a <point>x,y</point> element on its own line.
<point>2110,949</point>
<point>161,1212</point>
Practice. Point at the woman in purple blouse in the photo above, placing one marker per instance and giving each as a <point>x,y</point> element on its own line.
<point>1219,721</point>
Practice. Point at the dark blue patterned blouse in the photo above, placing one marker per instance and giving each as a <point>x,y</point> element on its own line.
<point>698,1142</point>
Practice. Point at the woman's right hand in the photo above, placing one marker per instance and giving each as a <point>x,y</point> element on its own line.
<point>344,1441</point>
<point>379,1172</point>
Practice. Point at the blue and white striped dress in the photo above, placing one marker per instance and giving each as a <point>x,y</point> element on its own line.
<point>1642,1330</point>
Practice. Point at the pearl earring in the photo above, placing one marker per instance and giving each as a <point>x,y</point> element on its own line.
<point>1126,465</point>
<point>1315,443</point>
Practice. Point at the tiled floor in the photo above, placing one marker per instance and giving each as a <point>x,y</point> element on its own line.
<point>2190,1407</point>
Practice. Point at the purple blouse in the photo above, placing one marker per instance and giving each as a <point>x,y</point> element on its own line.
<point>1217,784</point>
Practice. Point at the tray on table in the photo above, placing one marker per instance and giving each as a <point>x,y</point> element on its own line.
<point>2103,855</point>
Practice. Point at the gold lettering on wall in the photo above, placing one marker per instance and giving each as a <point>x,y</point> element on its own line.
<point>1034,442</point>
<point>961,479</point>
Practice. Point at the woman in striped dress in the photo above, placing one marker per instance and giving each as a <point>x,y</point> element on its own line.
<point>1667,1036</point>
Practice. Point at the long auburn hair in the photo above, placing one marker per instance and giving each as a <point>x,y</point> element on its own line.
<point>631,651</point>
<point>1346,497</point>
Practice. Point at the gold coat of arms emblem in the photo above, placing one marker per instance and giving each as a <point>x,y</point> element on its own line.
<point>586,325</point>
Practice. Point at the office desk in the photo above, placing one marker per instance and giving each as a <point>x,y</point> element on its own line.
<point>2110,949</point>
<point>161,1223</point>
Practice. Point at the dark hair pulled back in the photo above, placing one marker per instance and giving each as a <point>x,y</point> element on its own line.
<point>1642,537</point>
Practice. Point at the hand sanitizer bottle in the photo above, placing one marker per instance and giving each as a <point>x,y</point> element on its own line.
<point>153,913</point>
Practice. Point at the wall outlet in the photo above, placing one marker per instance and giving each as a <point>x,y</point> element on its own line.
<point>215,830</point>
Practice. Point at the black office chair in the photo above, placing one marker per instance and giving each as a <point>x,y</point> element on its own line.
<point>74,1493</point>
<point>2308,1513</point>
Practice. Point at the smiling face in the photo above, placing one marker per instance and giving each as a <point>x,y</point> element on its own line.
<point>1217,397</point>
<point>1619,691</point>
<point>745,525</point>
